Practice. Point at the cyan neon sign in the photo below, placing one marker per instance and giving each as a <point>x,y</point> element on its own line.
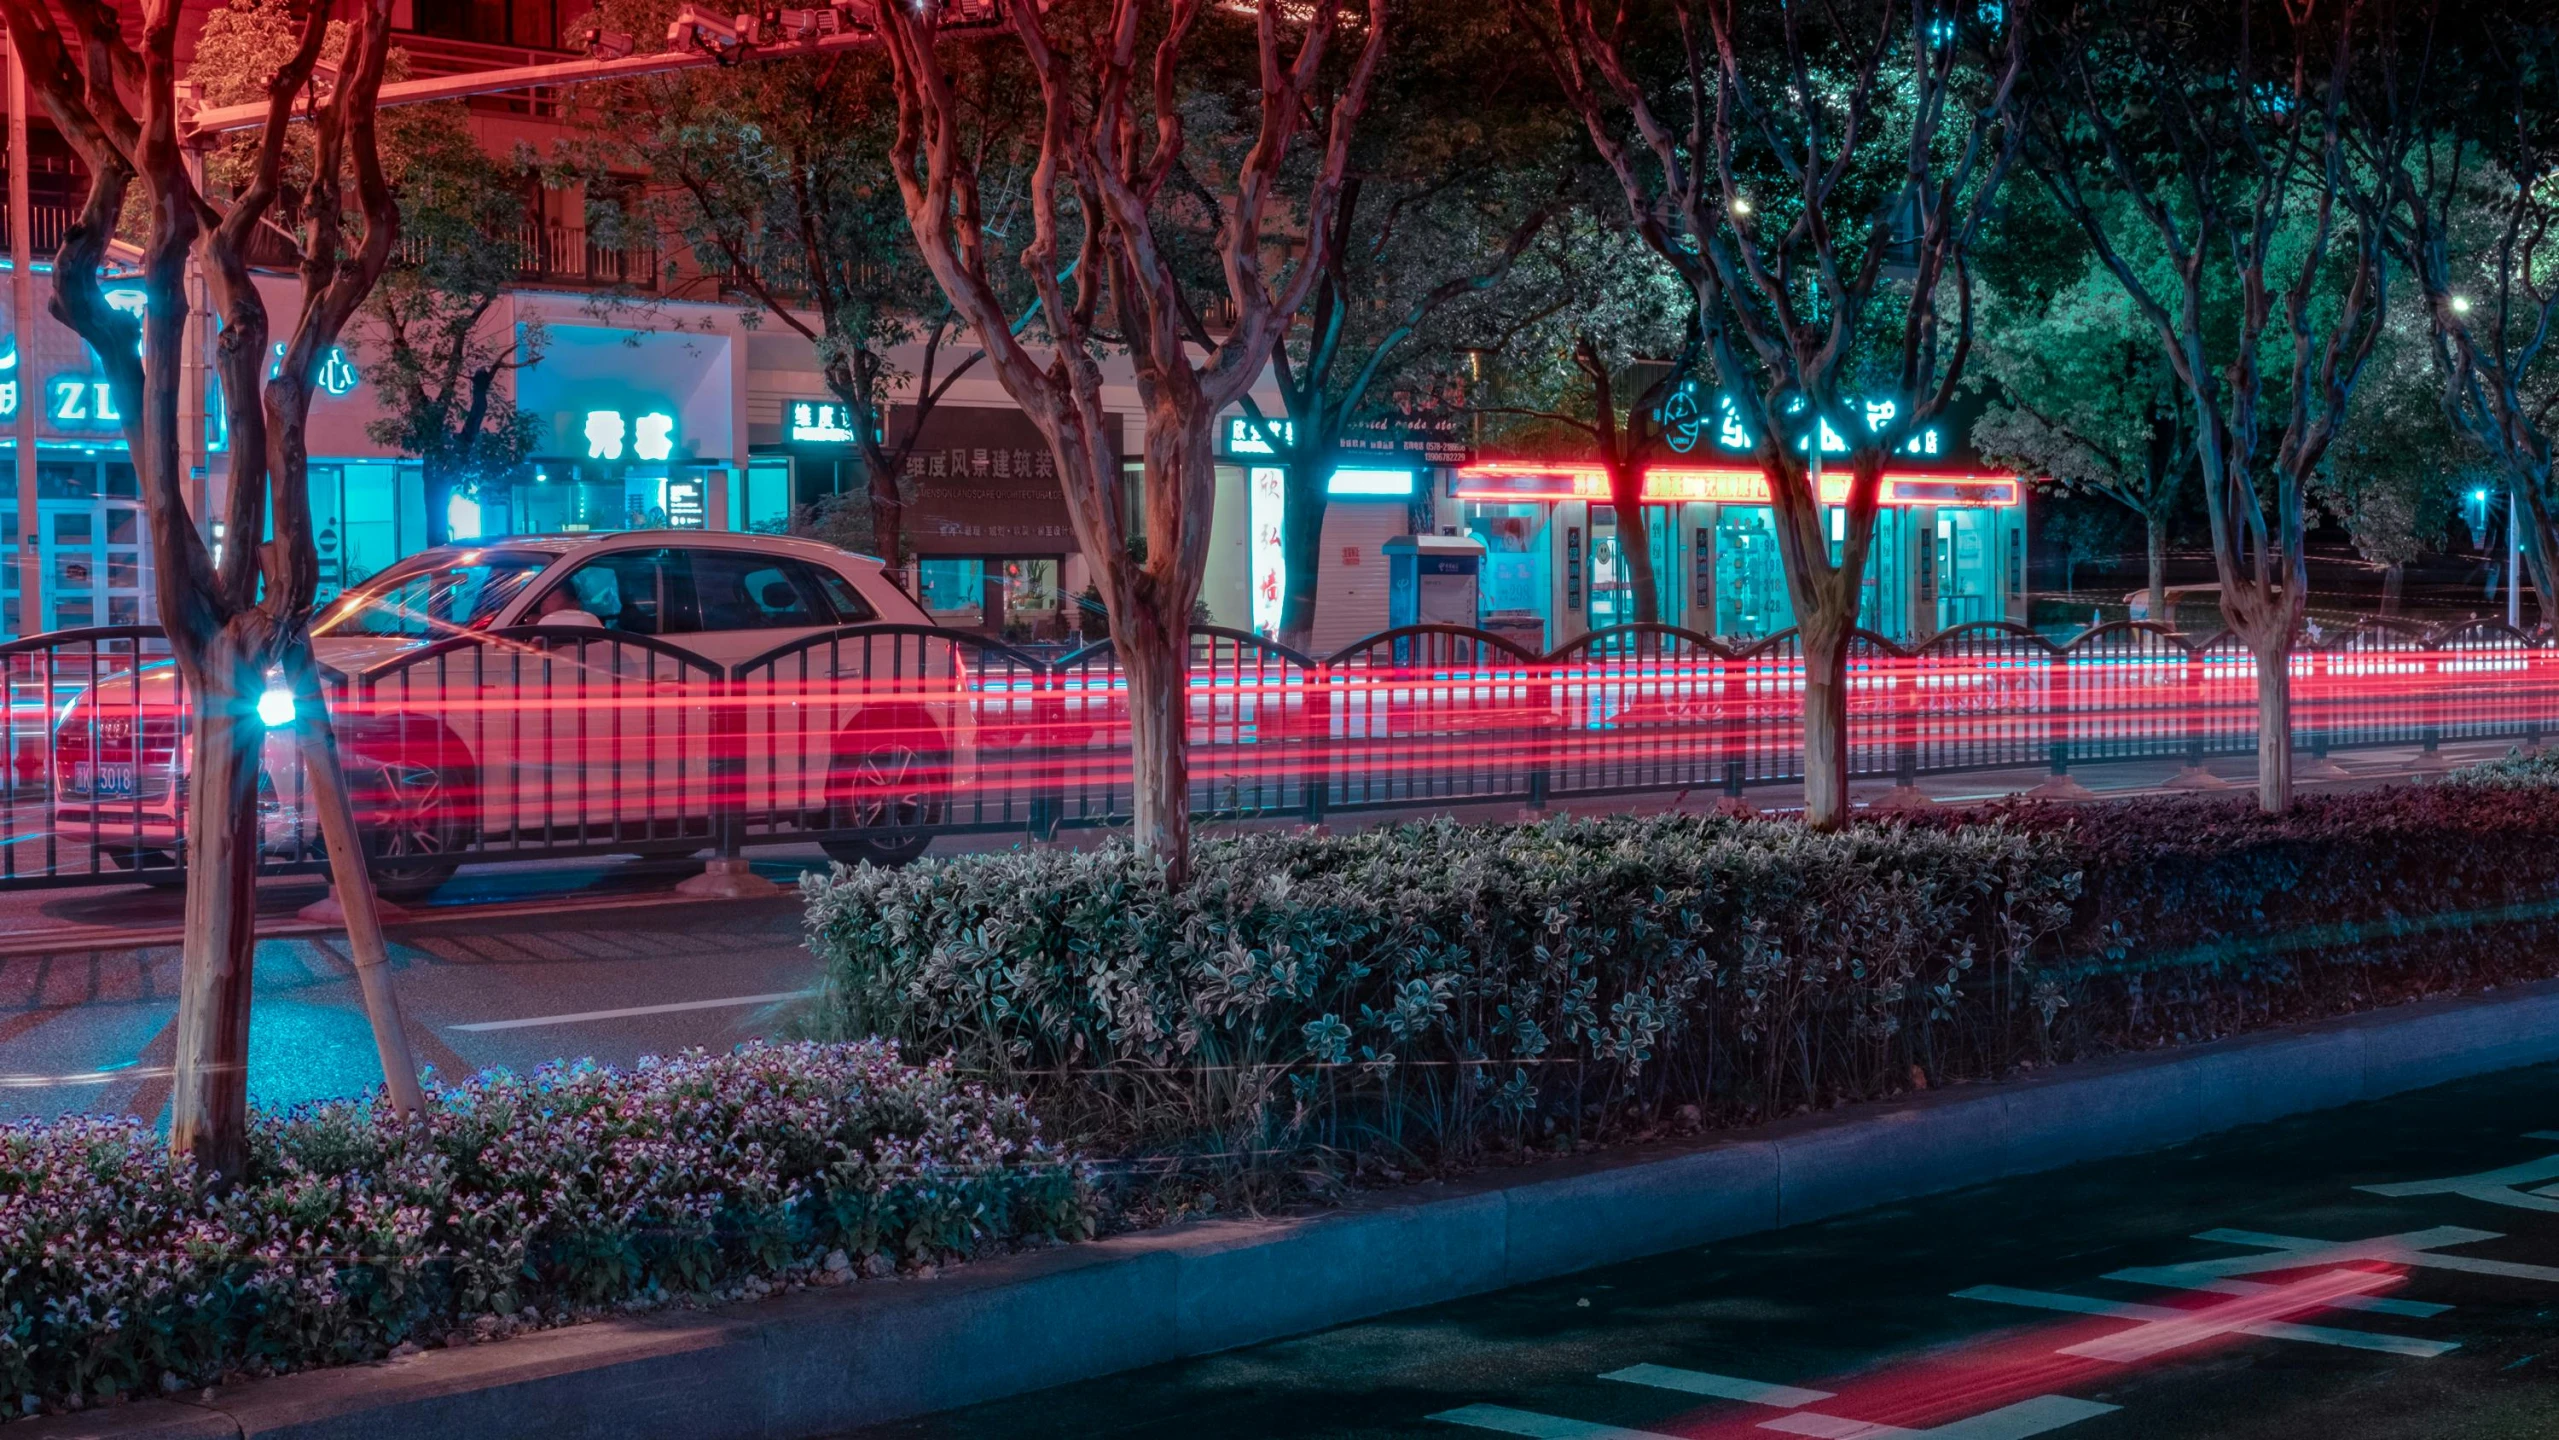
<point>1684,424</point>
<point>9,381</point>
<point>336,376</point>
<point>81,402</point>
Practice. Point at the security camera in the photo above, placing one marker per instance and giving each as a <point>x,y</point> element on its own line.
<point>693,26</point>
<point>603,44</point>
<point>803,26</point>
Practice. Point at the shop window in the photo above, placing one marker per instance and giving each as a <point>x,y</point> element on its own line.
<point>740,590</point>
<point>1030,598</point>
<point>1514,539</point>
<point>950,585</point>
<point>121,483</point>
<point>1750,581</point>
<point>1967,567</point>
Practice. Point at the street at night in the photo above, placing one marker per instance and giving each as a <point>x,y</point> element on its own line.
<point>2245,1286</point>
<point>1279,719</point>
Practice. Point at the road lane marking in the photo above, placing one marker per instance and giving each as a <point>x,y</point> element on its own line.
<point>628,1011</point>
<point>1831,1427</point>
<point>2291,1252</point>
<point>2029,1417</point>
<point>2511,1186</point>
<point>1722,1387</point>
<point>2158,1329</point>
<point>1506,1421</point>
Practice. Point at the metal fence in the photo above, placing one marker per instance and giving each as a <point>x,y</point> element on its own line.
<point>872,739</point>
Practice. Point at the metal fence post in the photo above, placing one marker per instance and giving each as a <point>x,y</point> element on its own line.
<point>728,875</point>
<point>1315,698</point>
<point>2058,699</point>
<point>1048,723</point>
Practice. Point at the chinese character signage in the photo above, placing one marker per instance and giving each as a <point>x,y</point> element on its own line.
<point>1268,516</point>
<point>819,422</point>
<point>1688,427</point>
<point>984,483</point>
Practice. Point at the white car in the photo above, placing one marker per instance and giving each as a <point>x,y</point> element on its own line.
<point>601,732</point>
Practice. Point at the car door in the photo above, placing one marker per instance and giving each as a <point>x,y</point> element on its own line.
<point>610,738</point>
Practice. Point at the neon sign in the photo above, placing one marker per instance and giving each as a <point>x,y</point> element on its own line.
<point>337,374</point>
<point>1243,437</point>
<point>653,436</point>
<point>1268,519</point>
<point>1684,423</point>
<point>650,436</point>
<point>1371,484</point>
<point>604,431</point>
<point>822,422</point>
<point>9,381</point>
<point>80,402</point>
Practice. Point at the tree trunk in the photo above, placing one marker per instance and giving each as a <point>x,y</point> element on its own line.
<point>1634,539</point>
<point>439,487</point>
<point>2394,580</point>
<point>1823,634</point>
<point>1302,506</point>
<point>209,1108</point>
<point>2274,725</point>
<point>1155,660</point>
<point>2155,536</point>
<point>888,510</point>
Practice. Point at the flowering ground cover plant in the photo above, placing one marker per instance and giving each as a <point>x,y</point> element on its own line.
<point>521,1200</point>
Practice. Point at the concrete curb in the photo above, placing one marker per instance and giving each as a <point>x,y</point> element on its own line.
<point>828,1361</point>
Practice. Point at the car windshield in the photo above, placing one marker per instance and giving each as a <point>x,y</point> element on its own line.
<point>434,596</point>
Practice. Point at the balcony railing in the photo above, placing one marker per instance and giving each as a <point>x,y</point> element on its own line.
<point>49,223</point>
<point>564,254</point>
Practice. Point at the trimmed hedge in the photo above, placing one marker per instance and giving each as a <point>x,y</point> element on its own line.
<point>1426,990</point>
<point>522,1201</point>
<point>1428,993</point>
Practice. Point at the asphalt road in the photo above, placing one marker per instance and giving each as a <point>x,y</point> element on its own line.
<point>92,1030</point>
<point>518,964</point>
<point>2240,1287</point>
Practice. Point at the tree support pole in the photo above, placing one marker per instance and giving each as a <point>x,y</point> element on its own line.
<point>352,885</point>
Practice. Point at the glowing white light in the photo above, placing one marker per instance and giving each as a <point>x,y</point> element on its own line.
<point>1268,519</point>
<point>653,436</point>
<point>462,518</point>
<point>275,709</point>
<point>2461,304</point>
<point>604,434</point>
<point>1395,483</point>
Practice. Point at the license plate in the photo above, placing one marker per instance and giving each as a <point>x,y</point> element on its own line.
<point>104,782</point>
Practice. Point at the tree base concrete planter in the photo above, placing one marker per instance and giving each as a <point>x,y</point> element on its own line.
<point>831,1360</point>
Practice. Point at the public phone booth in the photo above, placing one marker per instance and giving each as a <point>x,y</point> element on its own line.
<point>1432,579</point>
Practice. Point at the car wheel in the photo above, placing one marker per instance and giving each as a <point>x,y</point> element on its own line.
<point>414,832</point>
<point>886,787</point>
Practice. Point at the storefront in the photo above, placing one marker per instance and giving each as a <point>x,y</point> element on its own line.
<point>1378,493</point>
<point>987,524</point>
<point>1948,549</point>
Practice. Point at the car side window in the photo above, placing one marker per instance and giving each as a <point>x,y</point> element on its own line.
<point>628,591</point>
<point>850,607</point>
<point>741,590</point>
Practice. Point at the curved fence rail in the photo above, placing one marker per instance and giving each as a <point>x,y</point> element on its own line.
<point>872,739</point>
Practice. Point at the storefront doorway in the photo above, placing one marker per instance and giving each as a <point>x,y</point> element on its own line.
<point>91,547</point>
